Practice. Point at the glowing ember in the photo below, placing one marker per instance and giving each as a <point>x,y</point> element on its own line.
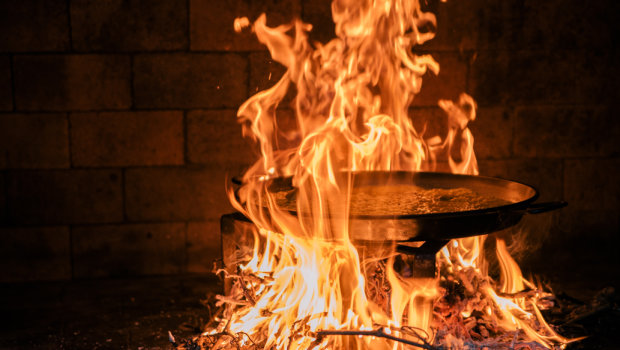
<point>305,285</point>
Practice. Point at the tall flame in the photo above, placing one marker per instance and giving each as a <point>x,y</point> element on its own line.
<point>352,111</point>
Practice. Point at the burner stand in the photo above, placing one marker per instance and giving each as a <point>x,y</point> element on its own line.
<point>237,237</point>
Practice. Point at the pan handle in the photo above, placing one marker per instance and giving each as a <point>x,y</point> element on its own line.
<point>537,208</point>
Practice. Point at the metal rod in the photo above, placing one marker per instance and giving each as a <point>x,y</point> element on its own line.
<point>376,333</point>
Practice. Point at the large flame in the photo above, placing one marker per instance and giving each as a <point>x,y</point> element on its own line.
<point>305,276</point>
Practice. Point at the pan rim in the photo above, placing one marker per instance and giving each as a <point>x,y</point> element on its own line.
<point>516,206</point>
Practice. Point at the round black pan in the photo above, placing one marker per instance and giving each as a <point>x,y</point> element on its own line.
<point>445,225</point>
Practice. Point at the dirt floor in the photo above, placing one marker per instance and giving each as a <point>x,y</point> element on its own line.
<point>103,314</point>
<point>137,313</point>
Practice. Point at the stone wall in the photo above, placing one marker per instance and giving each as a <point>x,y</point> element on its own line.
<point>118,130</point>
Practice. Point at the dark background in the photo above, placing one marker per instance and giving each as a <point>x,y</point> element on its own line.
<point>117,125</point>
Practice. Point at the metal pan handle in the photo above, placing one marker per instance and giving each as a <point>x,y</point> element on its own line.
<point>538,208</point>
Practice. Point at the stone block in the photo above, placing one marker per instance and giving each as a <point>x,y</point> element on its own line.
<point>6,86</point>
<point>449,84</point>
<point>431,122</point>
<point>500,25</point>
<point>129,250</point>
<point>587,225</point>
<point>204,246</point>
<point>596,72</point>
<point>319,14</point>
<point>545,78</point>
<point>214,137</point>
<point>428,121</point>
<point>2,199</point>
<point>72,82</point>
<point>207,15</point>
<point>457,25</point>
<point>492,129</point>
<point>127,138</point>
<point>566,132</point>
<point>265,73</point>
<point>31,25</point>
<point>35,254</point>
<point>133,25</point>
<point>34,141</point>
<point>549,25</point>
<point>493,133</point>
<point>509,78</point>
<point>64,197</point>
<point>175,194</point>
<point>544,174</point>
<point>190,80</point>
<point>592,184</point>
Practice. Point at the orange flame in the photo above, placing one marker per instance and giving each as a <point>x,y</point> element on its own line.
<point>352,111</point>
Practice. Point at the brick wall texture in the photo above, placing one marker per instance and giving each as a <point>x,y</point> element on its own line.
<point>118,129</point>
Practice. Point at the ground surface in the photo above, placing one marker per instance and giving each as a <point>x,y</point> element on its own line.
<point>103,314</point>
<point>138,313</point>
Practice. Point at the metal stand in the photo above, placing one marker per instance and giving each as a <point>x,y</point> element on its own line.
<point>237,232</point>
<point>424,257</point>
